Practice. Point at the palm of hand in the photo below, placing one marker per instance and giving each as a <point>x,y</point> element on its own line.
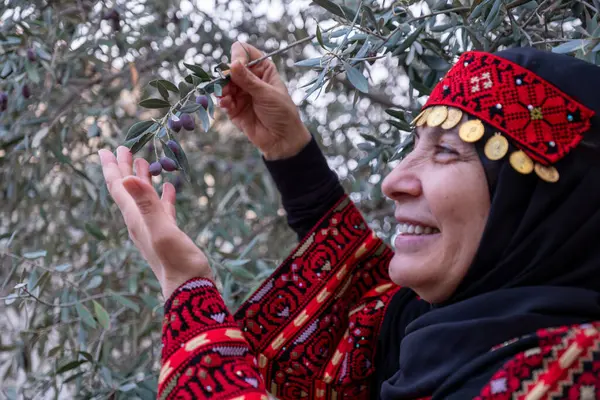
<point>172,255</point>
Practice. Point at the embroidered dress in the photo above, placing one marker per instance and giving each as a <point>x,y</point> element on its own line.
<point>310,332</point>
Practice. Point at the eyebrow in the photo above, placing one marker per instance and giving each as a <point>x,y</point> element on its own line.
<point>434,133</point>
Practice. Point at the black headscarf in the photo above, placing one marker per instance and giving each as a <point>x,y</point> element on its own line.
<point>537,265</point>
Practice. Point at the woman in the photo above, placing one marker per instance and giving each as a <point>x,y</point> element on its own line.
<point>492,290</point>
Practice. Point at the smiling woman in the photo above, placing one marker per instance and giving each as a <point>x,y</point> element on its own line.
<point>492,290</point>
<point>439,228</point>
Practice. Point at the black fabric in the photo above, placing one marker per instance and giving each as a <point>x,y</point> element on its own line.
<point>394,324</point>
<point>308,187</point>
<point>537,265</point>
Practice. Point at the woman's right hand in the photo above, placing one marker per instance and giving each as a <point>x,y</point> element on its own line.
<point>258,103</point>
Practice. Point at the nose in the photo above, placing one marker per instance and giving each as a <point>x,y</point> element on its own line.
<point>402,182</point>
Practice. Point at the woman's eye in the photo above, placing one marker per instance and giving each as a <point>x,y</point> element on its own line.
<point>440,149</point>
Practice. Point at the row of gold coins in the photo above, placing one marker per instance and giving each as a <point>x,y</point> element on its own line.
<point>496,146</point>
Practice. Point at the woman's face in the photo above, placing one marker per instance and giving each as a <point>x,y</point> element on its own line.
<point>442,204</point>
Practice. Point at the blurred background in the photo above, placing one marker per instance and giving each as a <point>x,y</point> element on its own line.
<point>81,311</point>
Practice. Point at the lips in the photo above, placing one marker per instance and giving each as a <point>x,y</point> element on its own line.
<point>414,237</point>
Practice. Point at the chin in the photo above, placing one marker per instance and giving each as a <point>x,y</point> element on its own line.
<point>406,271</point>
<point>417,274</point>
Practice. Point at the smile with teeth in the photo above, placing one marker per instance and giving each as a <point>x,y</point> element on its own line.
<point>410,229</point>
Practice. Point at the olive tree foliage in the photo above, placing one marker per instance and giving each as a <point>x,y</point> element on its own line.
<point>81,310</point>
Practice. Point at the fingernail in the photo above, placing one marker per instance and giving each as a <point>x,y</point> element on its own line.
<point>102,155</point>
<point>237,64</point>
<point>123,149</point>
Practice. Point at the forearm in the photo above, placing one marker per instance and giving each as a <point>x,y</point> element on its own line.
<point>308,187</point>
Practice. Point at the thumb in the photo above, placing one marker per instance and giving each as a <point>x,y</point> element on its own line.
<point>147,201</point>
<point>245,79</point>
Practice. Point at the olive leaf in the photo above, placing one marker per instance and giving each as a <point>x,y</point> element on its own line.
<point>137,143</point>
<point>154,103</point>
<point>356,78</point>
<point>139,127</point>
<point>85,315</point>
<point>204,119</point>
<point>166,84</point>
<point>102,315</point>
<point>198,71</point>
<point>184,89</point>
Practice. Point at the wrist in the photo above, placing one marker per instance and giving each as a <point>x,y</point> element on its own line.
<point>288,148</point>
<point>171,284</point>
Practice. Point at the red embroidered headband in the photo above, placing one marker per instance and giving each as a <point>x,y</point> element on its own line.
<point>542,121</point>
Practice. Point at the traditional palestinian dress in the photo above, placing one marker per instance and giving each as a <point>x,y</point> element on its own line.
<point>523,324</point>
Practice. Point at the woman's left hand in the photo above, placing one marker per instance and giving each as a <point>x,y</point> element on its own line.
<point>172,255</point>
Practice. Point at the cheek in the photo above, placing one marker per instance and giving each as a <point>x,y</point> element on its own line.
<point>458,198</point>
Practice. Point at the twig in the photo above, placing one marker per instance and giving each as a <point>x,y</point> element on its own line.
<point>550,41</point>
<point>36,265</point>
<point>533,14</point>
<point>73,303</point>
<point>360,28</point>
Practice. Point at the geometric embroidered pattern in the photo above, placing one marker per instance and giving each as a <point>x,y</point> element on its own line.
<point>541,120</point>
<point>205,355</point>
<point>314,323</point>
<point>310,331</point>
<point>565,365</point>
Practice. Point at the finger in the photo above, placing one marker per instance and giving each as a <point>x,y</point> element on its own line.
<point>238,106</point>
<point>125,161</point>
<point>244,52</point>
<point>110,168</point>
<point>227,102</point>
<point>168,199</point>
<point>142,170</point>
<point>231,89</point>
<point>164,235</point>
<point>112,176</point>
<point>148,203</point>
<point>247,81</point>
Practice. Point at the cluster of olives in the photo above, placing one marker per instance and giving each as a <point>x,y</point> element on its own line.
<point>25,90</point>
<point>185,121</point>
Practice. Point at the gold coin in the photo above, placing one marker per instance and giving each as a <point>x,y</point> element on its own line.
<point>416,119</point>
<point>423,117</point>
<point>454,117</point>
<point>437,116</point>
<point>496,147</point>
<point>548,174</point>
<point>521,162</point>
<point>471,131</point>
